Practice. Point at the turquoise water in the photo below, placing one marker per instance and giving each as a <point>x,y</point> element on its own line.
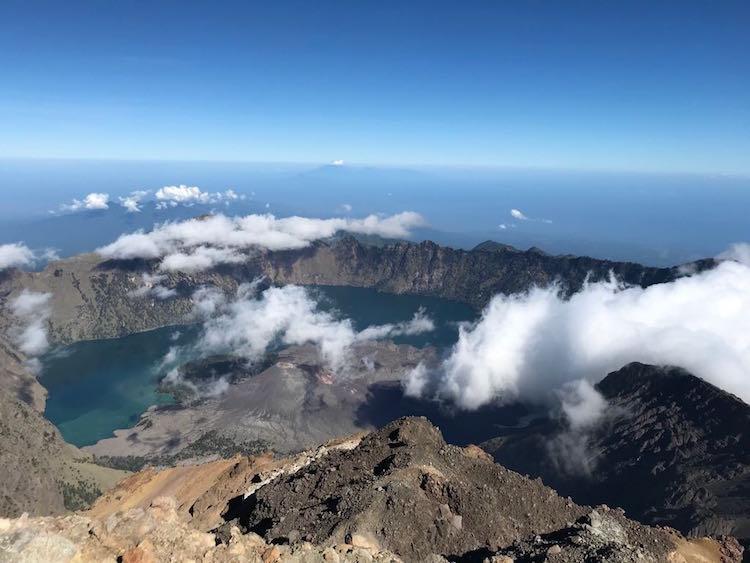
<point>368,307</point>
<point>98,386</point>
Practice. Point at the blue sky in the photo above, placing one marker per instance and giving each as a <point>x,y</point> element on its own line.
<point>647,86</point>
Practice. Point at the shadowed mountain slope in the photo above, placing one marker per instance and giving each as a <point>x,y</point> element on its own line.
<point>674,450</point>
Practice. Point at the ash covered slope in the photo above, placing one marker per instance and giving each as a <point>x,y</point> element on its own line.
<point>397,494</point>
<point>675,451</point>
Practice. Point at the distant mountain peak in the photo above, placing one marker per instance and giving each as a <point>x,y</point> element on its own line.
<point>494,246</point>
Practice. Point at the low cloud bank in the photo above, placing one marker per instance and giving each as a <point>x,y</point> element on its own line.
<point>199,244</point>
<point>529,346</point>
<point>166,197</point>
<point>17,255</point>
<point>253,323</point>
<point>151,287</point>
<point>31,311</point>
<point>739,252</point>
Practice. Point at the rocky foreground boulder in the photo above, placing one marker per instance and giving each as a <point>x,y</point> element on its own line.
<point>398,494</point>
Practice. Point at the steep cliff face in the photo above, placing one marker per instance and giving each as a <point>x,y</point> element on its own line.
<point>472,277</point>
<point>93,299</point>
<point>676,451</point>
<point>397,494</point>
<point>42,474</point>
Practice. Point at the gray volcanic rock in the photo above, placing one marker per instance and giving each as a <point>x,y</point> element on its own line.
<point>605,535</point>
<point>400,494</point>
<point>403,489</point>
<point>293,404</point>
<point>677,452</point>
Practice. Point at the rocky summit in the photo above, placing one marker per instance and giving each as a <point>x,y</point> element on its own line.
<point>398,494</point>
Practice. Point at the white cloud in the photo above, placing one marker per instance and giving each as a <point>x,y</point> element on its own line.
<point>151,287</point>
<point>31,310</point>
<point>581,409</point>
<point>521,216</point>
<point>207,301</point>
<point>18,255</point>
<point>94,200</point>
<point>251,324</point>
<point>172,196</point>
<point>199,244</point>
<point>200,258</point>
<point>211,387</point>
<point>739,252</point>
<point>530,346</point>
<point>346,207</point>
<point>15,255</point>
<point>182,194</point>
<point>419,324</point>
<point>134,245</point>
<point>132,202</point>
<point>337,162</point>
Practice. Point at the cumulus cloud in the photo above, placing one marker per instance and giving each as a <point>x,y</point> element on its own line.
<point>202,243</point>
<point>132,202</point>
<point>337,162</point>
<point>15,255</point>
<point>529,346</point>
<point>172,196</point>
<point>182,194</point>
<point>18,255</point>
<point>94,200</point>
<point>252,323</point>
<point>31,311</point>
